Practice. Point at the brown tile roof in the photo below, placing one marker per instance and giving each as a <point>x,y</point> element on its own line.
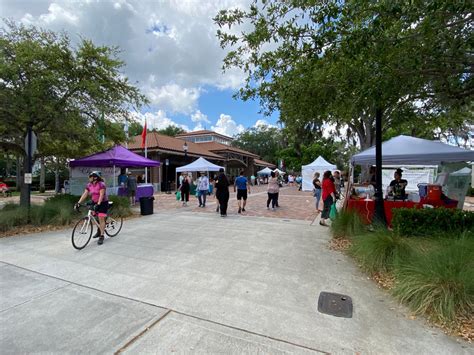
<point>263,163</point>
<point>167,143</point>
<point>204,131</point>
<point>218,147</point>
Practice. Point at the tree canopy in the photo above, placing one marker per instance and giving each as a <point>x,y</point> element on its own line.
<point>61,91</point>
<point>337,62</point>
<point>263,140</point>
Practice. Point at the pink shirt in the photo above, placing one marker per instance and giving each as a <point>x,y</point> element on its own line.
<point>273,186</point>
<point>94,190</point>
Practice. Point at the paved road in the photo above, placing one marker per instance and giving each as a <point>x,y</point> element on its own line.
<point>179,281</point>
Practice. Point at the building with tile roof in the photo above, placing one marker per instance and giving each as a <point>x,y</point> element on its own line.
<point>177,151</point>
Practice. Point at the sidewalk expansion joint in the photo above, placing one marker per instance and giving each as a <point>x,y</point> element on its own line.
<point>169,310</point>
<point>139,335</point>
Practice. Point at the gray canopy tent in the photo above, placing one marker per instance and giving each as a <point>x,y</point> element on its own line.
<point>410,150</point>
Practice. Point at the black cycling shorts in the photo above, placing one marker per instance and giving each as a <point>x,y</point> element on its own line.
<point>242,194</point>
<point>103,208</point>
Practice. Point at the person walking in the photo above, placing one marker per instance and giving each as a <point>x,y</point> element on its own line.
<point>329,196</point>
<point>203,189</point>
<point>131,188</point>
<point>185,188</point>
<point>243,187</point>
<point>273,189</point>
<point>222,192</point>
<point>280,184</point>
<point>317,190</point>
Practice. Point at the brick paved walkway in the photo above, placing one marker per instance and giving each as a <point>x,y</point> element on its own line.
<point>294,204</point>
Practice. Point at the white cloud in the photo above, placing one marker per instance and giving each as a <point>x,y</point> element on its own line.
<point>198,116</point>
<point>173,97</point>
<point>173,40</point>
<point>56,13</point>
<point>199,127</point>
<point>157,120</point>
<point>227,126</point>
<point>263,123</point>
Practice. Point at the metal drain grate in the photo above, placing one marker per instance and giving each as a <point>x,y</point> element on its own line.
<point>335,304</point>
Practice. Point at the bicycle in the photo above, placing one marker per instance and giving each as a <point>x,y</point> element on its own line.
<point>82,232</point>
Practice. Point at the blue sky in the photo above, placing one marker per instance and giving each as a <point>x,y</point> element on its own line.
<point>170,49</point>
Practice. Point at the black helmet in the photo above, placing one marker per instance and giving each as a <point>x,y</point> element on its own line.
<point>95,173</point>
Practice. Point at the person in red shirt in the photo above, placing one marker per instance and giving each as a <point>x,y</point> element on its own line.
<point>4,188</point>
<point>329,196</point>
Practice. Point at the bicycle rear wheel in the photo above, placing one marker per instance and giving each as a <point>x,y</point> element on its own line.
<point>113,226</point>
<point>82,233</point>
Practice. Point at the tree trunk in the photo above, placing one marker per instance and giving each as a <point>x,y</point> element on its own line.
<point>57,187</point>
<point>42,176</point>
<point>8,166</point>
<point>18,173</point>
<point>24,196</point>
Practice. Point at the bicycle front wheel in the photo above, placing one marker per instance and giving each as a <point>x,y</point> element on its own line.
<point>82,233</point>
<point>113,226</point>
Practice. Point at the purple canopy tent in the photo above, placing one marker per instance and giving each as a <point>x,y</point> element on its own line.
<point>117,156</point>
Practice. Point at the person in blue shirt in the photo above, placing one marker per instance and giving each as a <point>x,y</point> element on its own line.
<point>242,186</point>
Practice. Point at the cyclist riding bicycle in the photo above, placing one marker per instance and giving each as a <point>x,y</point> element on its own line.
<point>97,190</point>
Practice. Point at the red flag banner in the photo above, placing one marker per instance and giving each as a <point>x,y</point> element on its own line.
<point>144,136</point>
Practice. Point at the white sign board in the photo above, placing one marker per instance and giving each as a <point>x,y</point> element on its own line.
<point>79,178</point>
<point>28,178</point>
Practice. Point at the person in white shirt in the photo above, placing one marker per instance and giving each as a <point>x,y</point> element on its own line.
<point>203,189</point>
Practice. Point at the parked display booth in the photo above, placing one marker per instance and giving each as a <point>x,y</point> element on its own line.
<point>405,150</point>
<point>319,165</point>
<point>110,162</point>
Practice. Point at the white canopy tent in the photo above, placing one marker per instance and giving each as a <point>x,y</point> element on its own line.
<point>320,165</point>
<point>267,171</point>
<point>279,171</point>
<point>410,150</point>
<point>199,164</point>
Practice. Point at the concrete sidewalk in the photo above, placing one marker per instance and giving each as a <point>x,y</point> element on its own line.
<point>186,282</point>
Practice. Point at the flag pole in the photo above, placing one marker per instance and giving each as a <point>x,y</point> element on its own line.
<point>146,154</point>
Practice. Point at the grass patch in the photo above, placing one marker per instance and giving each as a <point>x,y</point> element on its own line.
<point>439,283</point>
<point>380,251</point>
<point>347,224</point>
<point>57,210</point>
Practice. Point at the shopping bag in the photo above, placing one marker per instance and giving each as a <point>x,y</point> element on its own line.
<point>333,212</point>
<point>178,195</point>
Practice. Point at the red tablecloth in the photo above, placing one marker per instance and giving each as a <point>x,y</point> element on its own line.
<point>366,208</point>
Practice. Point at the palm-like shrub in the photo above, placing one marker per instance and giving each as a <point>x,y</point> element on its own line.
<point>380,250</point>
<point>439,283</point>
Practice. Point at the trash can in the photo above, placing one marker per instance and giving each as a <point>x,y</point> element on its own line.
<point>146,205</point>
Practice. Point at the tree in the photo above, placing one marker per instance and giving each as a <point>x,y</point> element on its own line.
<point>324,61</point>
<point>379,59</point>
<point>171,131</point>
<point>263,140</point>
<point>135,129</point>
<point>58,91</point>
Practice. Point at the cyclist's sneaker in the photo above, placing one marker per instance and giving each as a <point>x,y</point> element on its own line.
<point>101,240</point>
<point>97,235</point>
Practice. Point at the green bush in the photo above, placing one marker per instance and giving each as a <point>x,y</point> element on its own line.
<point>57,210</point>
<point>380,250</point>
<point>347,224</point>
<point>12,217</point>
<point>431,221</point>
<point>120,207</point>
<point>439,283</point>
